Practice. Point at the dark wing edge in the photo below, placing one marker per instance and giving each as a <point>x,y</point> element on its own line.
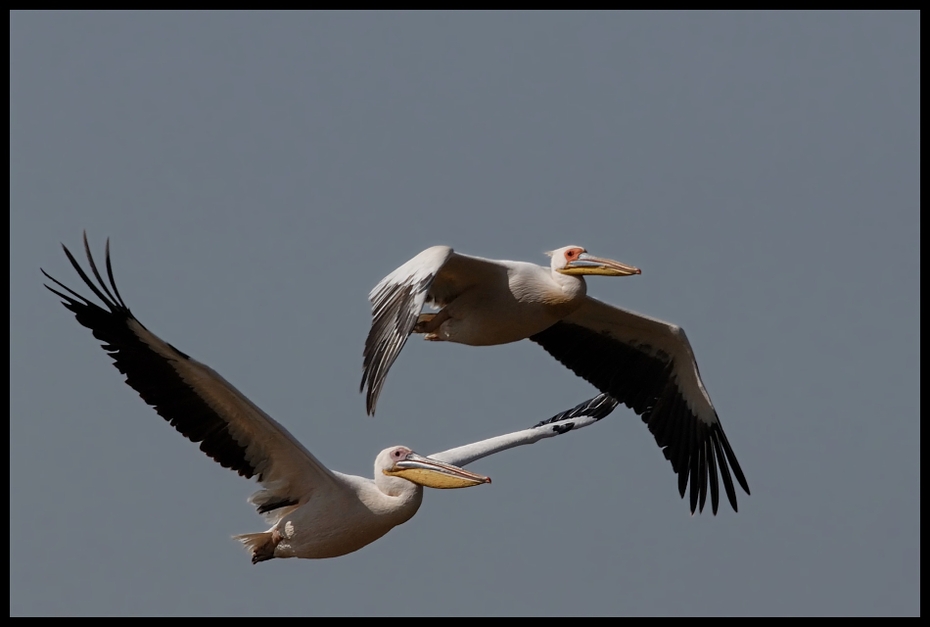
<point>645,383</point>
<point>396,303</point>
<point>578,417</point>
<point>148,372</point>
<point>598,407</point>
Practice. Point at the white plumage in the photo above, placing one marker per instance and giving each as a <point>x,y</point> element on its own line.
<point>314,512</point>
<point>645,363</point>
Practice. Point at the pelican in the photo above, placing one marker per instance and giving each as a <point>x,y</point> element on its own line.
<point>646,364</point>
<point>314,512</point>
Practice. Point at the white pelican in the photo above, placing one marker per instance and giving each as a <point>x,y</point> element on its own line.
<point>314,512</point>
<point>645,363</point>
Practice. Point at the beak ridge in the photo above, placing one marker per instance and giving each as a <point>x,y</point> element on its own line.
<point>432,473</point>
<point>589,264</point>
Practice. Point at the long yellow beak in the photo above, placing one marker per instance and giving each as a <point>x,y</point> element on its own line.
<point>589,264</point>
<point>432,473</point>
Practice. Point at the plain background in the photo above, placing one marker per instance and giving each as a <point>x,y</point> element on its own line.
<point>258,173</point>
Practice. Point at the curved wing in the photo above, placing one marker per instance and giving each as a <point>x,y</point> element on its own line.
<point>197,401</point>
<point>579,416</point>
<point>436,276</point>
<point>648,365</point>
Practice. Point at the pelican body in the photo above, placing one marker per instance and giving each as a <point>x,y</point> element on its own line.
<point>314,512</point>
<point>645,363</point>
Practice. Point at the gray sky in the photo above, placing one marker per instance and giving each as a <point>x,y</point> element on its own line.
<point>258,173</point>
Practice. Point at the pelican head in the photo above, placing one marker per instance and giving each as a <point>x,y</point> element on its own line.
<point>400,461</point>
<point>575,260</point>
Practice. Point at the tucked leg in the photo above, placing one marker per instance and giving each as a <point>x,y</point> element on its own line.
<point>428,323</point>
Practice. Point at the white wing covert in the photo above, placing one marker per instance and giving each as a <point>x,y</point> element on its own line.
<point>580,416</point>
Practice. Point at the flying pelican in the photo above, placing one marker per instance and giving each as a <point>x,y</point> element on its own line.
<point>314,512</point>
<point>646,364</point>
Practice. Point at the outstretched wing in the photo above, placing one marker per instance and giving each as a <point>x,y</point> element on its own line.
<point>196,400</point>
<point>435,276</point>
<point>578,417</point>
<point>649,366</point>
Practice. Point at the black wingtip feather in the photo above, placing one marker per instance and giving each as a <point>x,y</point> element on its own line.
<point>712,469</point>
<point>725,472</point>
<point>147,372</point>
<point>645,384</point>
<point>694,481</point>
<point>598,407</point>
<point>119,298</point>
<point>702,468</point>
<point>731,458</point>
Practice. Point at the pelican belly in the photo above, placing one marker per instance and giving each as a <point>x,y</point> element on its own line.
<point>320,530</point>
<point>489,328</point>
<point>500,314</point>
